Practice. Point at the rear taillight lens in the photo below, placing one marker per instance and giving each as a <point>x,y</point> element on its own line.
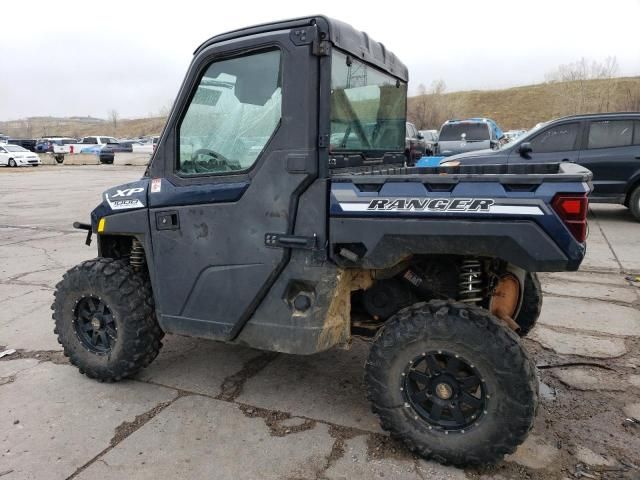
<point>572,210</point>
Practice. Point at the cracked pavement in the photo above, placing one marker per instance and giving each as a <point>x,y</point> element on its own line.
<point>205,409</point>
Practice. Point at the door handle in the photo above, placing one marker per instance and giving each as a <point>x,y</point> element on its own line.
<point>167,220</point>
<point>637,157</point>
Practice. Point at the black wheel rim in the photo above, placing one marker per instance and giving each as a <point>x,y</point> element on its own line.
<point>445,390</point>
<point>95,325</point>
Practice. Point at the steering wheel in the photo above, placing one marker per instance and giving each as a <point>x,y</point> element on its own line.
<point>217,162</point>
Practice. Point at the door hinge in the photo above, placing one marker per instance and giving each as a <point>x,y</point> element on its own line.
<point>279,240</point>
<point>321,48</point>
<point>323,141</point>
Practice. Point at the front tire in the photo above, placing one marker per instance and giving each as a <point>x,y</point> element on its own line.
<point>105,319</point>
<point>452,383</point>
<point>634,203</point>
<point>12,163</point>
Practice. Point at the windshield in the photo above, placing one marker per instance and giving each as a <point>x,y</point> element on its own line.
<point>473,132</point>
<point>14,148</point>
<point>368,107</point>
<point>109,140</point>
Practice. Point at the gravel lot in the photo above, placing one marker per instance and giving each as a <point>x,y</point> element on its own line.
<point>204,409</point>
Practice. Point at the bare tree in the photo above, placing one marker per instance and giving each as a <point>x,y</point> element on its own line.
<point>28,128</point>
<point>577,94</point>
<point>431,108</point>
<point>114,117</point>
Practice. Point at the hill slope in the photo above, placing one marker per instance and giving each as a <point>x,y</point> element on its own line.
<point>523,107</point>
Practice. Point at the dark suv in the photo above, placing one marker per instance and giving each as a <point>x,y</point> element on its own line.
<point>415,146</point>
<point>608,144</point>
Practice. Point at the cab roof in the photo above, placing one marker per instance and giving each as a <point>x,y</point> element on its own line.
<point>340,34</point>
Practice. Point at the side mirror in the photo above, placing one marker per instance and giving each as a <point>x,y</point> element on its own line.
<point>420,136</point>
<point>525,149</point>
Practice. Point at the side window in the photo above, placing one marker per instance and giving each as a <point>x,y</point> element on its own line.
<point>636,132</point>
<point>560,138</point>
<point>610,133</point>
<point>232,115</point>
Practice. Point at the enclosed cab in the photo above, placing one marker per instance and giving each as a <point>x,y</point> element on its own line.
<point>277,213</point>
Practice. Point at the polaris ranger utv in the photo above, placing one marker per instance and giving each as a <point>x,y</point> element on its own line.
<point>276,213</point>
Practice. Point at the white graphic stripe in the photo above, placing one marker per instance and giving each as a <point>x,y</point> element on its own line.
<point>501,209</point>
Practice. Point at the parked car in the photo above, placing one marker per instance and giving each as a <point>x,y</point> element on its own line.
<point>27,143</point>
<point>104,147</point>
<point>430,140</point>
<point>414,145</point>
<point>457,136</point>
<point>120,147</point>
<point>17,156</point>
<point>46,144</point>
<point>608,144</point>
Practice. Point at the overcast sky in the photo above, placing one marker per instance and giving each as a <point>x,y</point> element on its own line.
<point>67,58</point>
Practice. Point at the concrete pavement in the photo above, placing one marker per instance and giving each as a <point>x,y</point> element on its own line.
<point>208,410</point>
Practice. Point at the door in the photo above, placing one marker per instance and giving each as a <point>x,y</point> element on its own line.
<point>557,143</point>
<point>239,149</point>
<point>611,155</point>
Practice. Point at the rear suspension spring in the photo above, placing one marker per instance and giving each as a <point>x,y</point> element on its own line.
<point>470,284</point>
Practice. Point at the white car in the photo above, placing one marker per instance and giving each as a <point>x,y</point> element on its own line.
<point>16,156</point>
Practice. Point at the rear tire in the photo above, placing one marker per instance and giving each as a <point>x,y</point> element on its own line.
<point>493,385</point>
<point>531,304</point>
<point>634,203</point>
<point>105,319</point>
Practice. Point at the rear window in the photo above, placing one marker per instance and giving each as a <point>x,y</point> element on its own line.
<point>473,132</point>
<point>610,133</point>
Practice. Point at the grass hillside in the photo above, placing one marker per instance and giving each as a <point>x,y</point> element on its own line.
<point>519,107</point>
<point>523,107</point>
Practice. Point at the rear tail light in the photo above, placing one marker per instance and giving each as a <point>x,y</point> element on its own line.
<point>572,210</point>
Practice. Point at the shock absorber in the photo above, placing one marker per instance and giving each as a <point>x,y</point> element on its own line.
<point>470,284</point>
<point>136,259</point>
